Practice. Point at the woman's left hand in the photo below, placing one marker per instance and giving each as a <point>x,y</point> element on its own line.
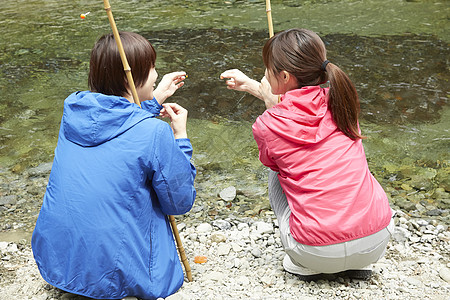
<point>168,86</point>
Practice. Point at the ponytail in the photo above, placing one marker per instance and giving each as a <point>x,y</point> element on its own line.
<point>343,102</point>
<point>302,53</point>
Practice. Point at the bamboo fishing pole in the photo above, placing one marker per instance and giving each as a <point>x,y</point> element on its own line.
<point>269,17</point>
<point>126,66</point>
<point>127,69</point>
<point>269,21</point>
<point>184,259</point>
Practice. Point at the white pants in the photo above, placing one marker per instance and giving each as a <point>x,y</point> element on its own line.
<point>355,254</point>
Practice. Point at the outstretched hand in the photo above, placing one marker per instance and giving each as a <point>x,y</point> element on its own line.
<point>168,86</point>
<point>178,119</point>
<point>238,80</point>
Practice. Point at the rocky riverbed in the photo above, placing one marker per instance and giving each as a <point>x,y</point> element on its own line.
<point>238,234</point>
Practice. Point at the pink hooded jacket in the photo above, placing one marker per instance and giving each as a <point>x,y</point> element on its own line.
<point>332,194</point>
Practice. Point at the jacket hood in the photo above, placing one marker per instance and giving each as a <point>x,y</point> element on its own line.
<point>302,117</point>
<point>90,119</point>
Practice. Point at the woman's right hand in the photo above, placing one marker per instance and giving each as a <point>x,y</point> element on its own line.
<point>178,117</point>
<point>240,82</point>
<point>237,80</point>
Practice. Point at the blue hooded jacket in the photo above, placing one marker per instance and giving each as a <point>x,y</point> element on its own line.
<point>103,231</point>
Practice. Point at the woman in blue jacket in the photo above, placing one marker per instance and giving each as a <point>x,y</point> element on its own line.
<point>103,231</point>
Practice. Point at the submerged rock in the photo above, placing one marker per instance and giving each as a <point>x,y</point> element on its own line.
<point>41,170</point>
<point>404,203</point>
<point>8,200</point>
<point>228,194</point>
<point>443,178</point>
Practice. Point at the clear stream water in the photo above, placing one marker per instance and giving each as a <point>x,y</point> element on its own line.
<point>396,52</point>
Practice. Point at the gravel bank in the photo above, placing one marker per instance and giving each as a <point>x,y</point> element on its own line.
<point>244,258</point>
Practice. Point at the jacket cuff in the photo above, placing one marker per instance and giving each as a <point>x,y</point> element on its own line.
<point>152,106</point>
<point>185,146</point>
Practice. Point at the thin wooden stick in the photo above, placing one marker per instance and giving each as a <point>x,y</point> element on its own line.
<point>135,96</point>
<point>269,17</point>
<point>269,20</point>
<point>180,248</point>
<point>126,66</point>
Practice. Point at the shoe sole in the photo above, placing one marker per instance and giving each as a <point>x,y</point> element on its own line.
<point>358,274</point>
<point>314,277</point>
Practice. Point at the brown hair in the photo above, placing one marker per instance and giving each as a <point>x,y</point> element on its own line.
<point>106,74</point>
<point>301,53</point>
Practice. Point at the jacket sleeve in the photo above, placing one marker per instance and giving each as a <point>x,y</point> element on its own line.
<point>173,174</point>
<point>152,106</point>
<point>259,132</point>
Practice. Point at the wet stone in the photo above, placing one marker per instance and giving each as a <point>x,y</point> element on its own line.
<point>420,208</point>
<point>228,194</point>
<point>221,224</point>
<point>41,170</point>
<point>35,190</point>
<point>434,212</point>
<point>8,200</point>
<point>404,204</point>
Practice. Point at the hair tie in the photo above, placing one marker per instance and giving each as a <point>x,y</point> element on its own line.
<point>324,65</point>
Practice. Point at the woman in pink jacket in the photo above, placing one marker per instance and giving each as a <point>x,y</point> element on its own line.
<point>332,213</point>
